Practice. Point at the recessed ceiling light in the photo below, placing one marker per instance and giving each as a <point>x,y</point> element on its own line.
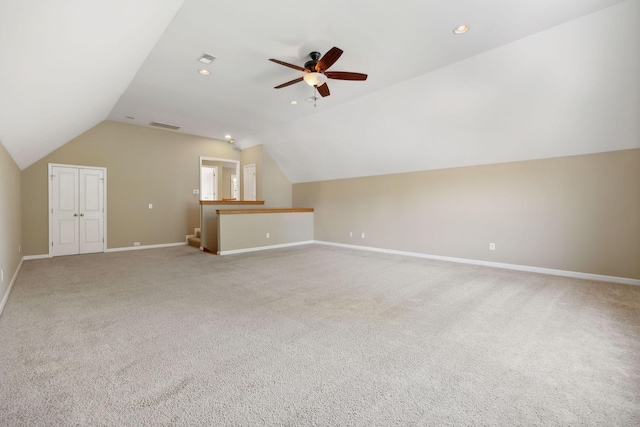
<point>461,29</point>
<point>227,136</point>
<point>204,72</point>
<point>294,102</point>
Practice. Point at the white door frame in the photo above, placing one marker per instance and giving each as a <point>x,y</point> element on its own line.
<point>50,207</point>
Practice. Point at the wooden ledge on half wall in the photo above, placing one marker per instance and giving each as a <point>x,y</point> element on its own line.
<point>260,211</point>
<point>231,202</point>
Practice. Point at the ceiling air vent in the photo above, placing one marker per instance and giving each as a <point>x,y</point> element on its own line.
<point>164,125</point>
<point>206,58</point>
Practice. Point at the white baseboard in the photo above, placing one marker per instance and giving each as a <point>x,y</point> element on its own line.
<point>5,298</point>
<point>264,248</point>
<point>551,271</point>
<point>136,248</point>
<point>126,248</point>
<point>29,257</point>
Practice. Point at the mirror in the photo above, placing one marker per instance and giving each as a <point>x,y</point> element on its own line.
<point>219,179</point>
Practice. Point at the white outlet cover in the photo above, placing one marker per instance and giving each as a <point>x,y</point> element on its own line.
<point>268,235</point>
<point>363,235</point>
<point>150,205</point>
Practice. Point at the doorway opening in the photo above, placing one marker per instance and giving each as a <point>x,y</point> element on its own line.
<point>221,186</point>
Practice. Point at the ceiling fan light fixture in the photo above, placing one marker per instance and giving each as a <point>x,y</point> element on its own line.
<point>315,79</point>
<point>461,29</point>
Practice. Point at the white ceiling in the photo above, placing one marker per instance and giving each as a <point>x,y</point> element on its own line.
<point>529,80</point>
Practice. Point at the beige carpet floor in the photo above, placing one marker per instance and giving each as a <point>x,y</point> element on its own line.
<point>313,335</point>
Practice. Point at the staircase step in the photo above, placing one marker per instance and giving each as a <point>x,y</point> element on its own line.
<point>194,241</point>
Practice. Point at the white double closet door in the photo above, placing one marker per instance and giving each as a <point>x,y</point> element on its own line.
<point>77,210</point>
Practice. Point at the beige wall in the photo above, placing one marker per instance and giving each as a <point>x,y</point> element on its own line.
<point>276,187</point>
<point>579,213</point>
<point>144,165</point>
<point>209,227</point>
<point>272,185</point>
<point>10,219</point>
<point>246,231</point>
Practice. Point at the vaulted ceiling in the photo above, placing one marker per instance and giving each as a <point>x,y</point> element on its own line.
<point>530,79</point>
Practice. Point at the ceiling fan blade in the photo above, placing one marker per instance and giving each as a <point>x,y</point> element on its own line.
<point>328,59</point>
<point>324,90</point>
<point>345,75</point>
<point>286,64</point>
<point>294,81</point>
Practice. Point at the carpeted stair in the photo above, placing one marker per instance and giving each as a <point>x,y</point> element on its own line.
<point>195,240</point>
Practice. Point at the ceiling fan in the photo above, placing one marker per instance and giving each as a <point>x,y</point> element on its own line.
<point>317,72</point>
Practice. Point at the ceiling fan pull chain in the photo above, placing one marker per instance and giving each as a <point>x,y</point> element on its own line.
<point>315,95</point>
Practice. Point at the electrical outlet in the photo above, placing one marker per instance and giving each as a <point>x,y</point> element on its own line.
<point>196,191</point>
<point>492,246</point>
<point>150,205</point>
<point>363,235</point>
<point>351,234</point>
<point>268,235</point>
<point>136,243</point>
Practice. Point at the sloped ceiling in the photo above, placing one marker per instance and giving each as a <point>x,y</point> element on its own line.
<point>572,89</point>
<point>531,79</point>
<point>65,63</point>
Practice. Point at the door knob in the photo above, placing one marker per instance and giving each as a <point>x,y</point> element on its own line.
<point>75,214</point>
<point>81,214</point>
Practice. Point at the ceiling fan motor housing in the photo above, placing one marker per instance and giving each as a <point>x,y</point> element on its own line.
<point>311,65</point>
